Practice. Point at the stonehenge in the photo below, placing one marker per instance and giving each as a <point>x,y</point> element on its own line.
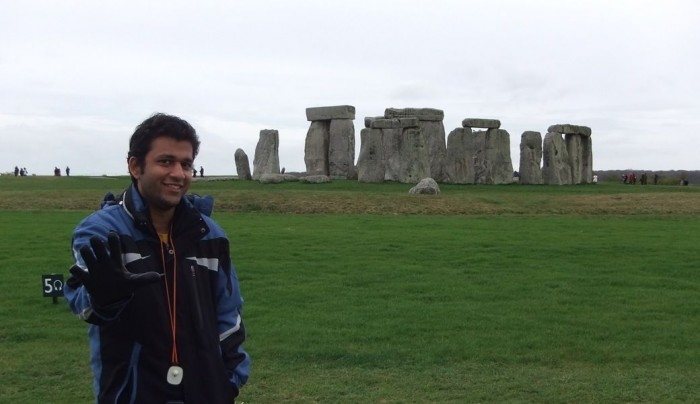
<point>266,160</point>
<point>408,145</point>
<point>530,158</point>
<point>242,165</point>
<point>404,145</point>
<point>330,142</point>
<point>568,159</point>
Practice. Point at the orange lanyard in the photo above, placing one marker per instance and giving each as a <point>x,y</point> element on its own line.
<point>171,298</point>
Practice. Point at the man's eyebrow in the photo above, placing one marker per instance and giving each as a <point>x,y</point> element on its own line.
<point>173,157</point>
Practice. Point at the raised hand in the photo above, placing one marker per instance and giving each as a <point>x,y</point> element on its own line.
<point>107,279</point>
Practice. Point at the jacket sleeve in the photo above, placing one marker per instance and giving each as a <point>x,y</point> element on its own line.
<point>230,324</point>
<point>75,293</point>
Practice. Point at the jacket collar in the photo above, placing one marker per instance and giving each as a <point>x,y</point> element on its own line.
<point>186,219</point>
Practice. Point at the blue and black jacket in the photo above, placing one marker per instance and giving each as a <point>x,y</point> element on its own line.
<point>131,341</point>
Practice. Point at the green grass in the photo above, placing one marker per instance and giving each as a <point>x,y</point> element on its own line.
<point>543,307</point>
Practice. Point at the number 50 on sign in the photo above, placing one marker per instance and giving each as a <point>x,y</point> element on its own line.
<point>52,284</point>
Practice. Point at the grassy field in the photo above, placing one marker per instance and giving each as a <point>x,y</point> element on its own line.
<point>361,293</point>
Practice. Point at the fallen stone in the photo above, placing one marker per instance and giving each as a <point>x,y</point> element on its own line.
<point>277,178</point>
<point>315,179</point>
<point>426,186</point>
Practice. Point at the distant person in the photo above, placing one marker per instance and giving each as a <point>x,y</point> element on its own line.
<point>595,178</point>
<point>26,172</point>
<point>21,172</point>
<point>201,171</point>
<point>16,171</point>
<point>154,278</point>
<point>67,171</point>
<point>194,172</point>
<point>624,178</point>
<point>57,172</point>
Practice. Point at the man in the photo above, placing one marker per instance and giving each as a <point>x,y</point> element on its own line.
<point>154,279</point>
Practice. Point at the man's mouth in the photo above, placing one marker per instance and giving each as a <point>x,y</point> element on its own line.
<point>175,187</point>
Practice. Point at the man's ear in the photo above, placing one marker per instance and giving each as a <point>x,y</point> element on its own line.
<point>134,167</point>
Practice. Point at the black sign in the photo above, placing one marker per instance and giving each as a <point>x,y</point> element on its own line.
<point>52,285</point>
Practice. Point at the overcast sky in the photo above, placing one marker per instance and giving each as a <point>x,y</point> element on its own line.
<point>76,77</point>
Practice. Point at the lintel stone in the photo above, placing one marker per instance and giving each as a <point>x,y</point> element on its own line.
<point>481,123</point>
<point>328,113</point>
<point>423,114</point>
<point>394,123</point>
<point>369,119</point>
<point>569,129</point>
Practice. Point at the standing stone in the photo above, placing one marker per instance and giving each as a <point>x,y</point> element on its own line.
<point>266,159</point>
<point>460,161</point>
<point>242,165</point>
<point>341,149</point>
<point>370,164</point>
<point>555,160</point>
<point>490,151</point>
<point>437,151</point>
<point>492,163</point>
<point>498,153</point>
<point>415,164</point>
<point>530,158</point>
<point>330,142</point>
<point>579,149</point>
<point>482,171</point>
<point>587,159</point>
<point>430,123</point>
<point>573,148</point>
<point>316,148</point>
<point>391,146</point>
<point>391,130</point>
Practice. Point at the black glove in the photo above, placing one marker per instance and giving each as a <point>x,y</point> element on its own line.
<point>108,281</point>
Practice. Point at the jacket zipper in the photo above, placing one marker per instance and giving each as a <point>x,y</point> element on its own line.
<point>197,304</point>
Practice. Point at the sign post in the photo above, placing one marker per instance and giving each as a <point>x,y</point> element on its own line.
<point>53,286</point>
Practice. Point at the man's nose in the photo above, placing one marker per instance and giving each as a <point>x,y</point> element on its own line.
<point>178,171</point>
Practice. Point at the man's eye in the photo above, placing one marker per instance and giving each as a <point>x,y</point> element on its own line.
<point>165,161</point>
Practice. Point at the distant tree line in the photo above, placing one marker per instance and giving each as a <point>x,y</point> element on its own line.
<point>667,177</point>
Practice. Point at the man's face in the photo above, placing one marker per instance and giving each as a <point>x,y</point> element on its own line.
<point>166,173</point>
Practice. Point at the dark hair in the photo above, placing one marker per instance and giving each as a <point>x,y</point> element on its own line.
<point>156,126</point>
